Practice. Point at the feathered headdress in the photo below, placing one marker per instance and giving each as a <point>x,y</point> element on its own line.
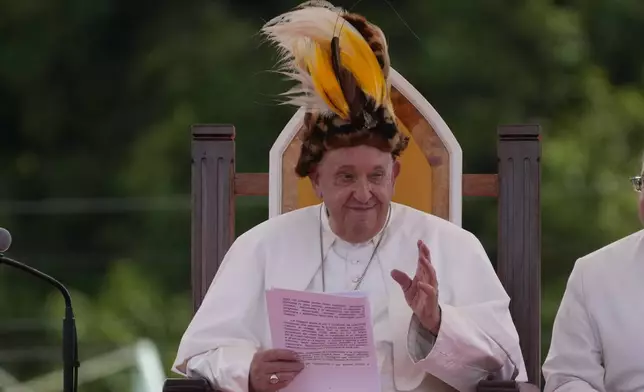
<point>341,64</point>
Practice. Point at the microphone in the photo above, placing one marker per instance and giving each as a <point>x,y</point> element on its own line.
<point>70,340</point>
<point>5,240</point>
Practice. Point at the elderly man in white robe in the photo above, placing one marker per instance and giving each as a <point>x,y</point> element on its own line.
<point>440,315</point>
<point>598,335</point>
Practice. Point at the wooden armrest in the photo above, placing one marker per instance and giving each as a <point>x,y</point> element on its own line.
<point>187,385</point>
<point>506,386</point>
<point>202,385</point>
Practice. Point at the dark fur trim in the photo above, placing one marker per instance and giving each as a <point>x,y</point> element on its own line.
<point>332,133</point>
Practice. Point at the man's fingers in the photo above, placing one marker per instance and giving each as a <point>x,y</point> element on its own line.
<point>424,249</point>
<point>285,364</point>
<point>285,378</point>
<point>409,286</point>
<point>403,280</point>
<point>429,290</point>
<point>420,272</point>
<point>425,270</point>
<point>423,252</point>
<point>433,280</point>
<point>282,366</point>
<point>279,354</point>
<point>265,385</point>
<point>429,272</point>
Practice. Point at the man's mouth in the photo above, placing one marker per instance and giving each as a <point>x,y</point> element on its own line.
<point>361,208</point>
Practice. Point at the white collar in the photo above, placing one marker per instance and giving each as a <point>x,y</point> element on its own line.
<point>329,237</point>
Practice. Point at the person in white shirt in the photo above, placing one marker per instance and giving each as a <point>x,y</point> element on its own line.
<point>427,338</point>
<point>598,334</point>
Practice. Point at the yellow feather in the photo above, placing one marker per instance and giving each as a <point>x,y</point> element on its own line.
<point>325,82</point>
<point>358,58</point>
<point>305,35</point>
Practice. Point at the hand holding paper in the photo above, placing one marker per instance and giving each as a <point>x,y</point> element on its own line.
<point>283,364</point>
<point>331,334</point>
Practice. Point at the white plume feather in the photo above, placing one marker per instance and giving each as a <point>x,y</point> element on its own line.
<point>295,34</point>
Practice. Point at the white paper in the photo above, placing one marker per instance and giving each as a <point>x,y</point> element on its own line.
<point>333,336</point>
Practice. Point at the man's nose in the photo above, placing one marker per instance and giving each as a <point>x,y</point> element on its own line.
<point>362,191</point>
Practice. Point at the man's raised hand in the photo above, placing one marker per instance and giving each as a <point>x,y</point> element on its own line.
<point>421,292</point>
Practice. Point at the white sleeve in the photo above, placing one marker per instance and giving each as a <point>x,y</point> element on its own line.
<point>225,368</point>
<point>226,331</point>
<point>574,361</point>
<point>477,337</point>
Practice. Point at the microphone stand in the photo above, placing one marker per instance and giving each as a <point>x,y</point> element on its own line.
<point>70,340</point>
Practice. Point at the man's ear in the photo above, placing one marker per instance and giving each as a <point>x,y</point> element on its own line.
<point>315,181</point>
<point>396,169</point>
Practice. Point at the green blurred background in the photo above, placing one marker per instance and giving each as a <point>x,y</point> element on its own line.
<point>97,97</point>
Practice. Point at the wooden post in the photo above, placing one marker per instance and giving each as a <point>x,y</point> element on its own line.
<point>213,173</point>
<point>519,263</point>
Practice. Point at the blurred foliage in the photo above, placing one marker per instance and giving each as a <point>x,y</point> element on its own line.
<point>96,100</point>
<point>129,306</point>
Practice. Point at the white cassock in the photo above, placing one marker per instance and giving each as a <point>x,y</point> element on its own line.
<point>477,337</point>
<point>598,335</point>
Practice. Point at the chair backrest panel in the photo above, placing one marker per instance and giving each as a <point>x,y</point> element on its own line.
<point>424,182</point>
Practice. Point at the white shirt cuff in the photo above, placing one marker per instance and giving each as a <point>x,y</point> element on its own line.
<point>420,340</point>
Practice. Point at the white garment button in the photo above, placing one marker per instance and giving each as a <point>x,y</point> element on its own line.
<point>356,279</point>
<point>356,261</point>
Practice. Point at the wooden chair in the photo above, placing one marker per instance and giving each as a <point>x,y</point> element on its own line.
<point>431,180</point>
